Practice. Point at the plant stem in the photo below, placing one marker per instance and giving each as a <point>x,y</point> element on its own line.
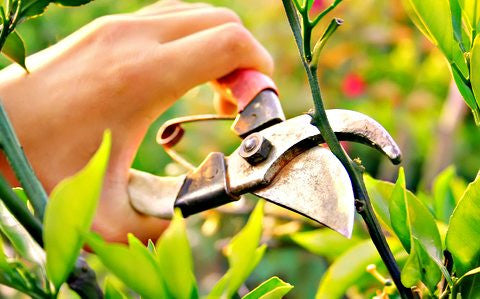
<point>354,170</point>
<point>20,165</point>
<point>20,211</point>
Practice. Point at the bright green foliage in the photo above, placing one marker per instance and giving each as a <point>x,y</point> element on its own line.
<point>35,8</point>
<point>418,232</point>
<point>380,193</point>
<point>243,255</point>
<point>273,288</point>
<point>70,212</point>
<point>111,291</point>
<point>324,242</point>
<point>17,276</point>
<point>447,190</point>
<point>19,238</point>
<point>14,49</point>
<point>442,22</point>
<point>475,68</point>
<point>134,265</point>
<point>464,230</point>
<point>175,257</point>
<point>471,9</point>
<point>348,268</point>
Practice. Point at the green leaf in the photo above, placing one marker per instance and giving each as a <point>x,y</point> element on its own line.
<point>20,239</point>
<point>474,69</point>
<point>324,242</point>
<point>21,194</point>
<point>469,273</point>
<point>445,193</point>
<point>456,12</point>
<point>70,213</point>
<point>111,291</point>
<point>243,255</point>
<point>416,227</point>
<point>309,4</point>
<point>32,8</point>
<point>466,92</point>
<point>464,230</point>
<point>72,2</point>
<point>273,288</point>
<point>135,267</point>
<point>349,268</point>
<point>398,208</point>
<point>380,193</point>
<point>436,22</point>
<point>471,10</point>
<point>175,256</point>
<point>14,49</point>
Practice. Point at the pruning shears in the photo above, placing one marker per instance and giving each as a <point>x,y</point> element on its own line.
<point>278,160</point>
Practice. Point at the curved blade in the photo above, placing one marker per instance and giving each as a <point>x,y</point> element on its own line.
<point>355,126</point>
<point>316,185</point>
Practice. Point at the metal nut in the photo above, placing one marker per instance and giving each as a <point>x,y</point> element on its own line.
<point>255,149</point>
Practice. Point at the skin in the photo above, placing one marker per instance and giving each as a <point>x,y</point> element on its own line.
<point>120,72</point>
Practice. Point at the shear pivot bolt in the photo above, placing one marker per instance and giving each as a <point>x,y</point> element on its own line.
<point>255,149</point>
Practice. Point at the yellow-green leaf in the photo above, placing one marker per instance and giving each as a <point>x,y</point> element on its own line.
<point>324,242</point>
<point>471,10</point>
<point>14,49</point>
<point>70,213</point>
<point>243,255</point>
<point>175,258</point>
<point>350,267</point>
<point>273,288</point>
<point>475,69</point>
<point>135,267</point>
<point>464,230</point>
<point>111,291</point>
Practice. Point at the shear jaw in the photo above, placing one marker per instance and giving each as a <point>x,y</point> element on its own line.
<point>295,174</point>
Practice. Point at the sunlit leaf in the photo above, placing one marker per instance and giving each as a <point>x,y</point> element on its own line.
<point>398,211</point>
<point>446,188</point>
<point>464,230</point>
<point>20,239</point>
<point>380,193</point>
<point>467,93</point>
<point>175,257</point>
<point>111,291</point>
<point>70,213</point>
<point>273,288</point>
<point>32,8</point>
<point>243,255</point>
<point>21,194</point>
<point>418,232</point>
<point>324,242</point>
<point>471,9</point>
<point>14,49</point>
<point>350,267</point>
<point>135,267</point>
<point>72,2</point>
<point>474,69</point>
<point>456,12</point>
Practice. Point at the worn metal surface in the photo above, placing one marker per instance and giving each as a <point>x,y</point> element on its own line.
<point>206,187</point>
<point>355,126</point>
<point>291,137</point>
<point>255,148</point>
<point>316,185</point>
<point>153,195</point>
<point>263,111</point>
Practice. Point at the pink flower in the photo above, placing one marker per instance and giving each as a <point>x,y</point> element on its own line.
<point>318,5</point>
<point>353,85</point>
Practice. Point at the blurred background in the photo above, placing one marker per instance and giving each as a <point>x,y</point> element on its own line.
<point>377,63</point>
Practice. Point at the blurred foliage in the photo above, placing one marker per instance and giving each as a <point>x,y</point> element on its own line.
<point>377,63</point>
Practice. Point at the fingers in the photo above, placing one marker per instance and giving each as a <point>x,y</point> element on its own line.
<point>171,26</point>
<point>171,6</point>
<point>214,53</point>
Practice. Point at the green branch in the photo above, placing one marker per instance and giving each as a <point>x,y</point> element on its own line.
<point>355,171</point>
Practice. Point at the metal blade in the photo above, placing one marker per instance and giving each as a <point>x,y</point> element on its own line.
<point>316,185</point>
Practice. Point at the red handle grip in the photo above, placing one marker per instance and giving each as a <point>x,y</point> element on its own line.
<point>243,85</point>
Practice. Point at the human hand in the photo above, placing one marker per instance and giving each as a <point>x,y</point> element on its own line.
<point>120,72</point>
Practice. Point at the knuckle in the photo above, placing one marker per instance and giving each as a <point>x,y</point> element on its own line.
<point>227,14</point>
<point>236,38</point>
